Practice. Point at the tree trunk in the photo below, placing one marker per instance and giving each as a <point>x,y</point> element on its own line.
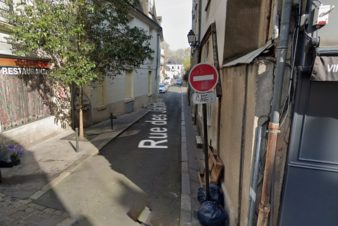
<point>81,130</point>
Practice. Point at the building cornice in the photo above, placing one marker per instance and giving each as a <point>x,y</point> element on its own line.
<point>140,15</point>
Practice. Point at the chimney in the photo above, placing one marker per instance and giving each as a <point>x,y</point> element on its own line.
<point>159,19</point>
<point>145,6</point>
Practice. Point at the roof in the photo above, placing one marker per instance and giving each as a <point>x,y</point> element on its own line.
<point>153,23</point>
<point>249,57</point>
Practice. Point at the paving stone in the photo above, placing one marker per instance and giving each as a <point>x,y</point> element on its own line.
<point>5,211</point>
<point>36,206</point>
<point>44,219</point>
<point>21,207</point>
<point>65,215</point>
<point>21,211</point>
<point>49,211</point>
<point>18,216</point>
<point>58,212</point>
<point>24,202</point>
<point>29,210</point>
<point>4,220</point>
<point>16,212</point>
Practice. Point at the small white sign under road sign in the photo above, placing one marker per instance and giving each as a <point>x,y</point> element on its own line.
<point>203,98</point>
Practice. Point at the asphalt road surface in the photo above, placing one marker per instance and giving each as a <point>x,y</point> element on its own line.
<point>140,168</point>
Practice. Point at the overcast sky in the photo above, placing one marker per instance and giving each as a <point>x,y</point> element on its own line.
<point>176,21</point>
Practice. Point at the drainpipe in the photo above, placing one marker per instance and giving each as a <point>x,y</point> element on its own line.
<point>254,175</point>
<point>158,60</point>
<point>198,49</point>
<point>219,92</point>
<point>259,143</point>
<point>199,28</point>
<point>273,127</point>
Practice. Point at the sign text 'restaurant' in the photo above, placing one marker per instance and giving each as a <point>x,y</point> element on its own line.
<point>22,71</point>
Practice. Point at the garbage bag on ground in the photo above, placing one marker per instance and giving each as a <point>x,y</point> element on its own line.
<point>212,214</point>
<point>215,192</point>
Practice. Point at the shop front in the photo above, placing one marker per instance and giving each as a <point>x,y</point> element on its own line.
<point>24,91</point>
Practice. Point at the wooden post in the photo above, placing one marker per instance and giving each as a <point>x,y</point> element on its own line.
<point>206,152</point>
<point>264,206</point>
<point>77,139</point>
<point>81,112</point>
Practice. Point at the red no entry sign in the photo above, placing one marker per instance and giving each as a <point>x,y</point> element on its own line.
<point>203,78</point>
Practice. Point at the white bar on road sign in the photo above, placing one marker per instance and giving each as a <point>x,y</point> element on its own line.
<point>203,98</point>
<point>199,78</point>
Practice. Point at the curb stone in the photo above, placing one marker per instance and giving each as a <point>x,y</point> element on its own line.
<point>185,214</point>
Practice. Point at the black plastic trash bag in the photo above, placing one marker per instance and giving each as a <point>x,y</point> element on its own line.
<point>215,192</point>
<point>212,214</point>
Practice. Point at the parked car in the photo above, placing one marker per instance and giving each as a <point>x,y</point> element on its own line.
<point>167,81</point>
<point>179,82</point>
<point>162,88</point>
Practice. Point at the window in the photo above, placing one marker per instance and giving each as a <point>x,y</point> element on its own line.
<point>329,33</point>
<point>98,94</point>
<point>247,37</point>
<point>150,83</point>
<point>4,7</point>
<point>27,2</point>
<point>129,85</point>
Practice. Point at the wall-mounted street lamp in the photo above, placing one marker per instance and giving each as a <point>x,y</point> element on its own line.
<point>192,39</point>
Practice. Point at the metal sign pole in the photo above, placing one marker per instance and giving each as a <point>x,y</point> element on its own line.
<point>205,147</point>
<point>203,78</point>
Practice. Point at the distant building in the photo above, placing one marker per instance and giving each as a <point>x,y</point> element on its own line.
<point>174,71</point>
<point>162,68</point>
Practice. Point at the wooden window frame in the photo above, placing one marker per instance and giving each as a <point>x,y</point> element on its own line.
<point>207,6</point>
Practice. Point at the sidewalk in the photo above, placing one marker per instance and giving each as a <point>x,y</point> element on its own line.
<point>47,163</point>
<point>192,162</point>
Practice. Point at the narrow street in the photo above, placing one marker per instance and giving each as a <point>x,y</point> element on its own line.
<point>169,113</point>
<point>140,168</point>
